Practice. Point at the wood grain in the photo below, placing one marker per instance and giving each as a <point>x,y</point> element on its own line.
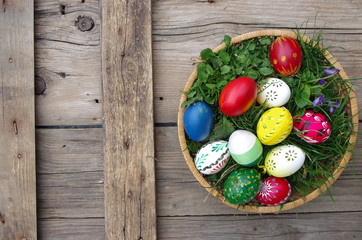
<point>128,120</point>
<point>286,226</point>
<point>65,228</point>
<point>69,61</point>
<point>17,127</point>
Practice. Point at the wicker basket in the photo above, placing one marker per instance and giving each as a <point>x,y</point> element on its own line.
<point>353,111</point>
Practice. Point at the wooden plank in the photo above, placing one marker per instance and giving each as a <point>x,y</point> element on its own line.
<point>128,120</point>
<point>331,226</point>
<point>17,146</point>
<point>70,183</point>
<point>70,229</point>
<point>68,60</point>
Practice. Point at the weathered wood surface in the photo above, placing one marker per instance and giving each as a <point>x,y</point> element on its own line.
<point>17,125</point>
<point>69,61</point>
<point>70,161</point>
<point>129,169</point>
<point>72,191</point>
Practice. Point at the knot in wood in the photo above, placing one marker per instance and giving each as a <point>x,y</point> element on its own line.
<point>40,85</point>
<point>84,23</point>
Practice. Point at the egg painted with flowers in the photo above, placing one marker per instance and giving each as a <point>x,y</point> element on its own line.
<point>273,92</point>
<point>274,126</point>
<point>285,55</point>
<point>242,186</point>
<point>285,160</point>
<point>274,191</point>
<point>212,157</point>
<point>312,127</point>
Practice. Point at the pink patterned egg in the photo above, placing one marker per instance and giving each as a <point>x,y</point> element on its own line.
<point>274,191</point>
<point>312,127</point>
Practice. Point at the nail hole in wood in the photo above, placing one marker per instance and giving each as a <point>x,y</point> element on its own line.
<point>11,60</point>
<point>62,9</point>
<point>96,100</point>
<point>161,98</point>
<point>62,74</point>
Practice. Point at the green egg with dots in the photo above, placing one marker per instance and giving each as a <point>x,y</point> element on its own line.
<point>242,186</point>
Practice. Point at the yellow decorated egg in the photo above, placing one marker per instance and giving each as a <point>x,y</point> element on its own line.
<point>274,126</point>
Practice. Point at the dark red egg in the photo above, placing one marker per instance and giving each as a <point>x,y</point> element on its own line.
<point>238,96</point>
<point>286,56</point>
<point>312,127</point>
<point>274,191</point>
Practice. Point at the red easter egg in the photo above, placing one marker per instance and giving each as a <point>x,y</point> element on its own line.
<point>286,56</point>
<point>274,191</point>
<point>238,96</point>
<point>312,127</point>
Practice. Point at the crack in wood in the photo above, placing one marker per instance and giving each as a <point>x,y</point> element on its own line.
<point>15,127</point>
<point>4,5</point>
<point>2,218</point>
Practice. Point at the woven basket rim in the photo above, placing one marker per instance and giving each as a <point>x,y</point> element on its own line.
<point>300,201</point>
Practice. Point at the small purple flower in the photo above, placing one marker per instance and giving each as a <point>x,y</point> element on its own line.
<point>319,100</point>
<point>321,81</point>
<point>333,106</point>
<point>331,71</point>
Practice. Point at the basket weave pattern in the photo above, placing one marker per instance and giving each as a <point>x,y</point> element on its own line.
<point>352,109</point>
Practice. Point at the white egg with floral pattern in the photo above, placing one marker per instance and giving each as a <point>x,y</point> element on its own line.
<point>285,160</point>
<point>273,92</point>
<point>212,157</point>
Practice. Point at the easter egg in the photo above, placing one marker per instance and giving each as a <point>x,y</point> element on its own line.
<point>198,121</point>
<point>274,126</point>
<point>212,157</point>
<point>312,127</point>
<point>238,96</point>
<point>285,160</point>
<point>285,55</point>
<point>242,186</point>
<point>273,92</point>
<point>245,148</point>
<point>274,191</point>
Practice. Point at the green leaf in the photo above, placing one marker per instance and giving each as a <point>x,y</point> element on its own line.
<point>302,96</point>
<point>191,94</point>
<point>265,71</point>
<point>209,69</point>
<point>224,57</point>
<point>227,40</point>
<point>225,69</point>
<point>222,130</point>
<point>251,73</point>
<point>187,103</point>
<point>206,54</point>
<point>210,85</point>
<point>251,47</point>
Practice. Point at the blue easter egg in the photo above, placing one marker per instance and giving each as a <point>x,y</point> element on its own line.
<point>198,121</point>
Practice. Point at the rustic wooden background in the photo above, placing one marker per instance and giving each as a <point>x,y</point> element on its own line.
<point>70,177</point>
